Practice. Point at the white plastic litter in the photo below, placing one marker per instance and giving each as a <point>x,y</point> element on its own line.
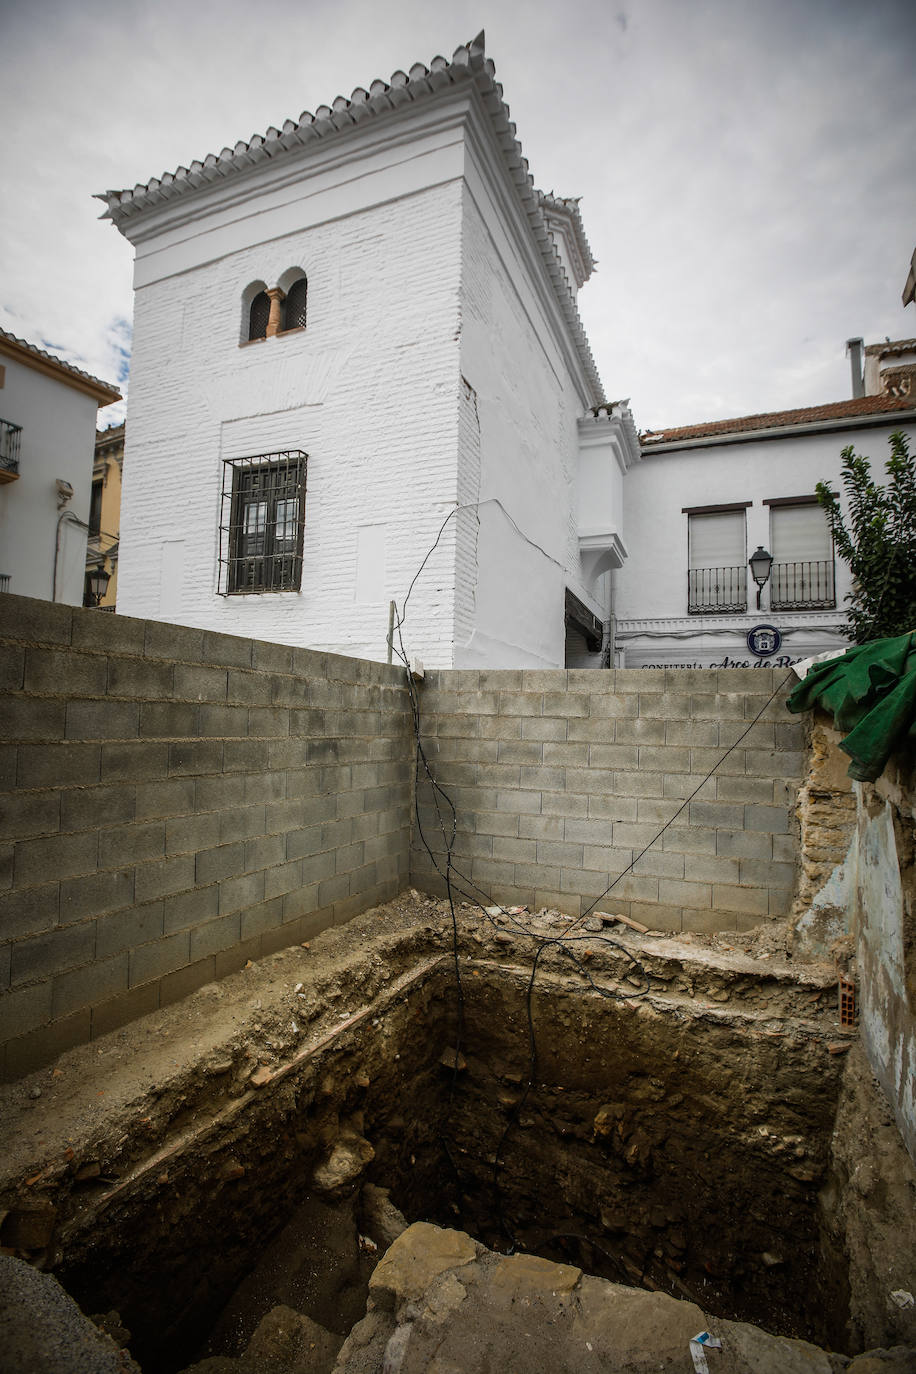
<point>698,1347</point>
<point>902,1298</point>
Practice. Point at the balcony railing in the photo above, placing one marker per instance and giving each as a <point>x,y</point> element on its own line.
<point>804,586</point>
<point>5,581</point>
<point>716,591</point>
<point>10,435</point>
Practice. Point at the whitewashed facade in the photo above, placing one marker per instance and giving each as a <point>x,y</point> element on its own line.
<point>442,378</point>
<point>700,503</point>
<point>48,416</point>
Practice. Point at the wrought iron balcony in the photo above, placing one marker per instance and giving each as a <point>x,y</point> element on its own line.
<point>10,436</point>
<point>804,586</point>
<point>716,591</point>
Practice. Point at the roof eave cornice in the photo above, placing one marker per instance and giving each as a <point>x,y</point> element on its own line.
<point>747,436</point>
<point>49,366</point>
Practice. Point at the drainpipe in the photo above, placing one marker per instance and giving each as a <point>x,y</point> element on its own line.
<point>856,350</point>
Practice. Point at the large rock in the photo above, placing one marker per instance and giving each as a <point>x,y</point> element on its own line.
<point>42,1331</point>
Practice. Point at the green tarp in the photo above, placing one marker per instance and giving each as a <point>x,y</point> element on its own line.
<point>871,693</point>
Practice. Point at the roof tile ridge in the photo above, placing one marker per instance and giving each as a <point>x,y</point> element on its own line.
<point>59,362</point>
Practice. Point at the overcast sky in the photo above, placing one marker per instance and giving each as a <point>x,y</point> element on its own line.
<point>746,167</point>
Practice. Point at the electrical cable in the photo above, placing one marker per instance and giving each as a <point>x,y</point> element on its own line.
<point>456,881</point>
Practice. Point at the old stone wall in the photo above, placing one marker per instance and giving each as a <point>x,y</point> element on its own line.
<point>560,778</point>
<point>175,802</point>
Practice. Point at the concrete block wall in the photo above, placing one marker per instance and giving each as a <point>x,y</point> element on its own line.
<point>561,777</point>
<point>174,802</point>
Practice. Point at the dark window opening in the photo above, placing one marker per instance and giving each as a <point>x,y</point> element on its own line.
<point>262,524</point>
<point>258,316</point>
<point>294,309</point>
<point>95,511</point>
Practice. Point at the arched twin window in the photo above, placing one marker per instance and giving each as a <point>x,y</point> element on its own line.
<point>268,311</point>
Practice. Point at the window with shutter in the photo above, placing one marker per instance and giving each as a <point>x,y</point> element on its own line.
<point>802,576</point>
<point>717,561</point>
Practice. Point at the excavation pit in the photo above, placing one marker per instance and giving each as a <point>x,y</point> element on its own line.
<point>679,1139</point>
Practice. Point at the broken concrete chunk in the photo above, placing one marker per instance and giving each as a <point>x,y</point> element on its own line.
<point>452,1059</point>
<point>417,1257</point>
<point>261,1076</point>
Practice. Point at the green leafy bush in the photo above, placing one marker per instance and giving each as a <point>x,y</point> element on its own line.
<point>879,543</point>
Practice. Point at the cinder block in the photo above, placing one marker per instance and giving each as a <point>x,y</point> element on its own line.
<point>664,863</point>
<point>620,757</point>
<point>616,705</point>
<point>665,706</point>
<point>32,718</point>
<point>748,900</point>
<point>29,911</point>
<point>717,761</point>
<point>169,719</point>
<point>58,765</point>
<point>690,839</point>
<point>766,873</point>
<point>56,672</point>
<point>640,730</point>
<point>759,680</point>
<point>536,727</point>
<point>187,834</point>
<point>121,930</point>
<point>349,857</point>
<point>505,847</point>
<point>158,958</point>
<point>120,1010</point>
<point>197,682</point>
<point>522,704</point>
<point>6,868</point>
<point>565,704</point>
<point>54,952</point>
<point>218,793</point>
<point>245,755</point>
<point>711,868</point>
<point>173,987</point>
<point>639,680</point>
<point>134,761</point>
<point>224,722</point>
<point>699,734</point>
<point>130,677</point>
<point>315,868</point>
<point>564,804</point>
<point>592,730</point>
<point>86,986</point>
<point>221,862</point>
<point>581,831</point>
<point>785,849</point>
<point>709,920</point>
<point>171,797</point>
<point>195,756</point>
<point>25,618</point>
<point>628,836</point>
<point>717,706</point>
<point>162,877</point>
<point>776,763</point>
<point>604,858</point>
<point>635,888</point>
<point>127,844</point>
<point>162,640</point>
<point>672,892</point>
<point>790,735</point>
<point>641,785</point>
<point>567,902</point>
<point>237,893</point>
<point>256,920</point>
<point>90,807</point>
<point>241,822</point>
<point>29,814</point>
<point>248,689</point>
<point>664,758</point>
<point>590,780</point>
<point>744,789</point>
<point>653,915</point>
<point>488,872</point>
<point>743,844</point>
<point>104,720</point>
<point>588,884</point>
<point>657,810</point>
<point>190,908</point>
<point>604,807</point>
<point>780,901</point>
<point>95,894</point>
<point>718,814</point>
<point>542,778</point>
<point>264,851</point>
<point>215,936</point>
<point>518,751</point>
<point>773,819</point>
<point>686,786</point>
<point>362,881</point>
<point>554,680</point>
<point>268,722</point>
<point>66,856</point>
<point>333,889</point>
<point>559,853</point>
<point>517,803</point>
<point>538,827</point>
<point>111,634</point>
<point>24,1010</point>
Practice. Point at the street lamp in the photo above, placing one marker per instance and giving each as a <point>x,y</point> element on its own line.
<point>97,582</point>
<point>760,564</point>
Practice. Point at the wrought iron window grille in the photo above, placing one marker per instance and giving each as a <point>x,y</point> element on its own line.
<point>10,438</point>
<point>262,520</point>
<point>807,585</point>
<point>716,591</point>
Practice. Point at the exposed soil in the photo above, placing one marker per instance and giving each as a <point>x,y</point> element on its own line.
<point>678,1139</point>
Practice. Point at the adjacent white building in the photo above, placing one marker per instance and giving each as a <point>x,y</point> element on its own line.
<point>357,354</point>
<point>706,497</point>
<point>48,416</point>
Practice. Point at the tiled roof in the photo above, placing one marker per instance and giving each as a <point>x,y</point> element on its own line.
<point>779,419</point>
<point>467,64</point>
<point>75,376</point>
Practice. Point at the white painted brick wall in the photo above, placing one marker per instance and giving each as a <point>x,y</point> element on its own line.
<point>369,390</point>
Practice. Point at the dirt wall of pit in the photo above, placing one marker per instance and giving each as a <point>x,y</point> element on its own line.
<point>560,778</point>
<point>173,803</point>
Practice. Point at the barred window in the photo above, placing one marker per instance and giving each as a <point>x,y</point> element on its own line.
<point>262,523</point>
<point>258,316</point>
<point>294,307</point>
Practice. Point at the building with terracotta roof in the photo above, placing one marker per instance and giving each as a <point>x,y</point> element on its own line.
<point>49,412</point>
<point>706,497</point>
<point>357,354</point>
